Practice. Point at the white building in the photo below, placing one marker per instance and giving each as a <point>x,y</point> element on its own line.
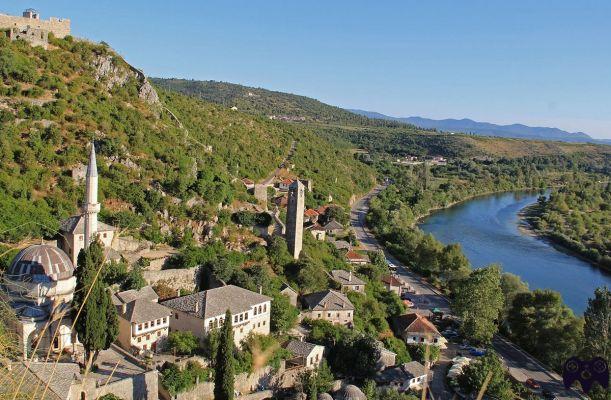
<point>143,323</point>
<point>307,355</point>
<point>409,376</point>
<point>78,231</point>
<point>417,329</point>
<point>202,312</point>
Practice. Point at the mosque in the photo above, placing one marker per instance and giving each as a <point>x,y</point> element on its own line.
<point>40,281</point>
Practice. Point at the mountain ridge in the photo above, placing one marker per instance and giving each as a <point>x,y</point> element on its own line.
<point>469,126</point>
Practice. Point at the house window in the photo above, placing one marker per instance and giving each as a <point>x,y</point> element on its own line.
<point>254,311</point>
<point>241,317</point>
<point>264,307</point>
<point>414,338</point>
<point>421,340</point>
<point>260,308</point>
<point>246,315</point>
<point>146,325</point>
<point>80,237</point>
<point>210,324</point>
<point>319,315</point>
<point>241,330</point>
<point>263,323</point>
<point>139,339</point>
<point>139,327</point>
<point>176,315</point>
<point>435,340</point>
<point>348,314</point>
<point>356,288</point>
<point>329,315</point>
<point>148,337</point>
<point>258,325</point>
<point>104,235</point>
<point>143,347</point>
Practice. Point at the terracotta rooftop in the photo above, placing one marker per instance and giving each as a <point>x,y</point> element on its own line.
<point>391,280</point>
<point>354,256</point>
<point>310,213</point>
<point>415,323</point>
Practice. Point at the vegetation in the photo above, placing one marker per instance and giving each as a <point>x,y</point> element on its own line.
<point>474,375</point>
<point>224,365</point>
<point>597,327</point>
<point>182,342</point>
<point>96,319</point>
<point>577,216</point>
<point>176,380</point>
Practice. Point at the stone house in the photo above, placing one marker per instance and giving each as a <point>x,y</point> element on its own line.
<point>317,231</point>
<point>289,292</point>
<point>392,284</point>
<point>348,281</point>
<point>143,323</point>
<point>355,258</point>
<point>409,376</point>
<point>333,228</point>
<point>417,329</point>
<point>328,305</point>
<point>202,312</point>
<point>305,355</point>
<point>311,215</point>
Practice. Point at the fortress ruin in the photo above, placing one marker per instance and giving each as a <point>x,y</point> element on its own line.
<point>31,28</point>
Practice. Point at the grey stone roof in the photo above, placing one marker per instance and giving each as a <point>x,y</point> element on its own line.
<point>413,369</point>
<point>327,300</point>
<point>76,225</point>
<point>346,278</point>
<point>40,262</point>
<point>146,293</point>
<point>64,376</point>
<point>333,225</point>
<point>287,287</point>
<point>214,302</point>
<point>325,396</point>
<point>140,310</point>
<point>350,392</point>
<point>341,244</point>
<point>299,348</point>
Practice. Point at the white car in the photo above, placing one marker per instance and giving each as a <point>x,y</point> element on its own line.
<point>391,266</point>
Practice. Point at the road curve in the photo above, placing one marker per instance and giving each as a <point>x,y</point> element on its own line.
<point>521,365</point>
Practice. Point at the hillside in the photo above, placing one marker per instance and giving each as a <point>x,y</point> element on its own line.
<point>272,104</point>
<point>465,125</point>
<point>163,158</point>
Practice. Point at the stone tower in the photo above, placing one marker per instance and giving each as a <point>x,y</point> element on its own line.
<point>91,207</point>
<point>294,218</point>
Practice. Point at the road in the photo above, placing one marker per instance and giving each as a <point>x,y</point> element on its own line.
<point>520,364</point>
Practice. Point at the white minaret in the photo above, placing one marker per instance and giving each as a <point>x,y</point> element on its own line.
<point>91,207</point>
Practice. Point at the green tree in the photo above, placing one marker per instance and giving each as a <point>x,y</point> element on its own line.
<point>355,355</point>
<point>478,301</point>
<point>511,285</point>
<point>224,367</point>
<point>597,327</point>
<point>182,342</point>
<point>278,254</point>
<point>97,325</point>
<point>283,314</point>
<point>110,396</point>
<point>418,353</point>
<point>541,323</point>
<point>134,279</point>
<point>474,375</point>
<point>454,265</point>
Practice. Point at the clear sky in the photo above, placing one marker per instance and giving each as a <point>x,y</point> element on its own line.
<point>538,62</point>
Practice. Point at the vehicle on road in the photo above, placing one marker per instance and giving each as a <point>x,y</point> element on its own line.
<point>391,266</point>
<point>531,383</point>
<point>405,296</point>
<point>477,352</point>
<point>408,303</point>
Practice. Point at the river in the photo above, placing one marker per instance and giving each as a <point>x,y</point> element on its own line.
<point>488,230</point>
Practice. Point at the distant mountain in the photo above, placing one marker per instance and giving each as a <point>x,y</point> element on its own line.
<point>487,129</point>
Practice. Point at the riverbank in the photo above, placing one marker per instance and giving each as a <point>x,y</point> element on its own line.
<point>527,217</point>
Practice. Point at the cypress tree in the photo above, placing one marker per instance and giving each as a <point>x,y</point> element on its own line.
<point>224,369</point>
<point>97,325</point>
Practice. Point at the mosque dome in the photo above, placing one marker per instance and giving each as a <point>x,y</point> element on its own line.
<point>351,392</point>
<point>325,396</point>
<point>39,264</point>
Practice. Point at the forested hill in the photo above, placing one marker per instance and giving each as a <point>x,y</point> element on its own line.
<point>163,157</point>
<point>272,104</point>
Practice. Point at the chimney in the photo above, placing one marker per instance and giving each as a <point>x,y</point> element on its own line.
<point>123,308</point>
<point>350,276</point>
<point>260,289</point>
<point>196,306</point>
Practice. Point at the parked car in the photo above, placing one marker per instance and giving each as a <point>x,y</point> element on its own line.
<point>531,383</point>
<point>477,352</point>
<point>408,303</point>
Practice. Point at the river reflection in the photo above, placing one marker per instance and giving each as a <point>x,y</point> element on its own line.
<point>488,230</point>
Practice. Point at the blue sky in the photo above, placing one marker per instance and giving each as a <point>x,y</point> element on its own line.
<point>535,62</point>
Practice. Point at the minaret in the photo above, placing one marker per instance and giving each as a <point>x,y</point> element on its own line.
<point>91,207</point>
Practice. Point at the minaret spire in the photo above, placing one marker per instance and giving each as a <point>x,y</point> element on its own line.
<point>91,207</point>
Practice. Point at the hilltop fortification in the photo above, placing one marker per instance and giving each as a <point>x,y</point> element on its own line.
<point>31,28</point>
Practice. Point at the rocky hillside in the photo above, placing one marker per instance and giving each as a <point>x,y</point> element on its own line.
<point>164,158</point>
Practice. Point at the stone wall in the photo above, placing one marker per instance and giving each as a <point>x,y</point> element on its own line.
<point>180,278</point>
<point>58,26</point>
<point>144,386</point>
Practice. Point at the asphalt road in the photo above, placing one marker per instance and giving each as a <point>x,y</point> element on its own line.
<point>520,364</point>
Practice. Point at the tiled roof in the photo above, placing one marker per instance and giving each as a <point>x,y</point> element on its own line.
<point>299,348</point>
<point>310,213</point>
<point>415,323</point>
<point>247,181</point>
<point>327,300</point>
<point>146,293</point>
<point>285,287</point>
<point>333,225</point>
<point>141,310</point>
<point>64,375</point>
<point>346,278</point>
<point>413,369</point>
<point>322,209</point>
<point>353,255</point>
<point>287,181</point>
<point>391,280</point>
<point>341,244</point>
<point>214,302</point>
<point>76,225</point>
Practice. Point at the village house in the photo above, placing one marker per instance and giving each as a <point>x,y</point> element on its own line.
<point>311,215</point>
<point>143,323</point>
<point>387,358</point>
<point>202,312</point>
<point>289,292</point>
<point>348,281</point>
<point>305,355</point>
<point>392,284</point>
<point>284,184</point>
<point>355,258</point>
<point>328,305</point>
<point>249,183</point>
<point>333,228</point>
<point>409,376</point>
<point>317,231</point>
<point>417,329</point>
<point>281,201</point>
<point>341,244</point>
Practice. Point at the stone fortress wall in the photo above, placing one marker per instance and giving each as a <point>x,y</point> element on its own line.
<point>60,27</point>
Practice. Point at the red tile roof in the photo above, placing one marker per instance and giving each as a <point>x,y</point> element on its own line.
<point>247,181</point>
<point>415,323</point>
<point>391,280</point>
<point>287,181</point>
<point>353,255</point>
<point>310,213</point>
